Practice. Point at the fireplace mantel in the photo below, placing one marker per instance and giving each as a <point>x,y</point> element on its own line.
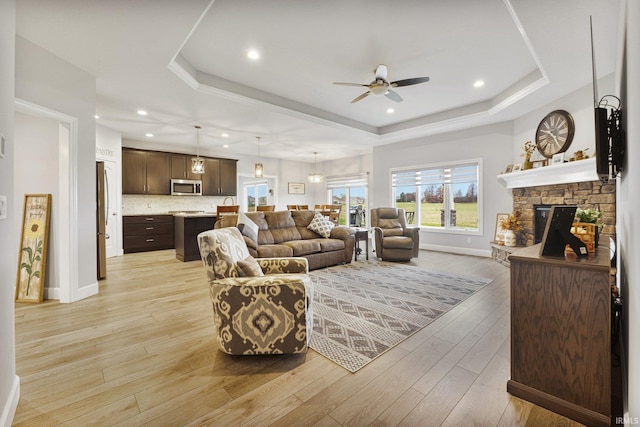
<point>563,173</point>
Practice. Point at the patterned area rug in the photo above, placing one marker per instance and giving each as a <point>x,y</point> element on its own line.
<point>363,309</point>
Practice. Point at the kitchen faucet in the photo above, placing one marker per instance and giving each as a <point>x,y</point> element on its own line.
<point>224,202</point>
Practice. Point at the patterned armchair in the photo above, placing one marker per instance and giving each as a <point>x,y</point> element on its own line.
<point>260,306</point>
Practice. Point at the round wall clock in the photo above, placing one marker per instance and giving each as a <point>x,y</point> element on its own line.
<point>555,133</point>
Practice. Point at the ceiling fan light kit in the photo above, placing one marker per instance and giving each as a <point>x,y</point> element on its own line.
<point>380,86</point>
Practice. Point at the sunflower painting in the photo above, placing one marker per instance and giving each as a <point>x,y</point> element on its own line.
<point>33,248</point>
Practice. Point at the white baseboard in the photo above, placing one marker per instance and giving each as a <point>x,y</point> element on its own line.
<point>52,293</point>
<point>457,250</point>
<point>86,291</point>
<point>82,293</point>
<point>9,410</point>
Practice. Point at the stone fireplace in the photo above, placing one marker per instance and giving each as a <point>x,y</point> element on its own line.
<point>572,183</point>
<point>590,194</point>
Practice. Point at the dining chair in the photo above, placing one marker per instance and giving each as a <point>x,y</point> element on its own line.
<point>226,209</point>
<point>303,207</point>
<point>265,208</point>
<point>292,207</point>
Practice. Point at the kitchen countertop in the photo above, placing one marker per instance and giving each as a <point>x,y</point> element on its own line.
<point>196,215</point>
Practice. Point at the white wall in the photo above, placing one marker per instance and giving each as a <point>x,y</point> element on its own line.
<point>493,144</point>
<point>36,143</point>
<point>579,104</point>
<point>9,228</point>
<point>109,148</point>
<point>628,206</point>
<point>44,80</point>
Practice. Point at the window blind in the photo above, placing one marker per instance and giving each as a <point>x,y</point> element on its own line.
<point>355,180</point>
<point>459,174</point>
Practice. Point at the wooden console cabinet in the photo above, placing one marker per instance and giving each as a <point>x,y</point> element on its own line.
<point>147,233</point>
<point>561,334</point>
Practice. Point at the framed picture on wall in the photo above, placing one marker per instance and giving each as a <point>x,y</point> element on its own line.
<point>296,188</point>
<point>557,158</point>
<point>32,260</point>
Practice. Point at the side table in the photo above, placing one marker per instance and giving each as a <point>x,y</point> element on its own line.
<point>361,234</point>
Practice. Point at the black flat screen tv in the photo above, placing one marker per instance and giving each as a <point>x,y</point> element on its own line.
<point>557,233</point>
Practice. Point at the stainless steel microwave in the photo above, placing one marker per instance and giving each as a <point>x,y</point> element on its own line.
<point>186,187</point>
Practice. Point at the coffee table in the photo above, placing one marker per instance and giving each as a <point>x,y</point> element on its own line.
<point>361,234</point>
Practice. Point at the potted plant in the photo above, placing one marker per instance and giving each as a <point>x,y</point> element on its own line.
<point>511,225</point>
<point>590,216</point>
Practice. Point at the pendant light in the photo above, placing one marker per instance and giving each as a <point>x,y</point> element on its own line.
<point>259,170</point>
<point>197,163</point>
<point>315,176</point>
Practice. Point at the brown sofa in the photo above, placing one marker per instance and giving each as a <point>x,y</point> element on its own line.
<point>285,234</point>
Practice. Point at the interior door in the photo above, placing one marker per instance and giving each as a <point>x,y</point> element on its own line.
<point>111,229</point>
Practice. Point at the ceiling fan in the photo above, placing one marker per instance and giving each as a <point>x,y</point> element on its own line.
<point>380,86</point>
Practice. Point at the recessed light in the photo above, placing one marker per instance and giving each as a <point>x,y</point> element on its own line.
<point>150,135</point>
<point>253,54</point>
<point>390,111</point>
<point>96,116</point>
<point>225,135</point>
<point>142,112</point>
<point>478,83</point>
<point>225,146</point>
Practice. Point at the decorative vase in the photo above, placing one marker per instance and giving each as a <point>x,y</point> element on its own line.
<point>510,238</point>
<point>527,163</point>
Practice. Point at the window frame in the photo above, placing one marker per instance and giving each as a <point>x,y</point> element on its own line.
<point>441,165</point>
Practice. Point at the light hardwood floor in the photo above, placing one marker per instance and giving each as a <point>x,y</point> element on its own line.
<point>142,353</point>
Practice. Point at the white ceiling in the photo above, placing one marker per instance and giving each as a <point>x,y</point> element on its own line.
<point>184,61</point>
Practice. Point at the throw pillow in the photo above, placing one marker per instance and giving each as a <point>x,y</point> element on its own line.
<point>249,267</point>
<point>321,225</point>
<point>247,227</point>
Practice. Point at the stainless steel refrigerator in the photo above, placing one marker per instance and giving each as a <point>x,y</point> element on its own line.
<point>102,189</point>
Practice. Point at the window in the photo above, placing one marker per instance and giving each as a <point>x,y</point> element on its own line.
<point>255,194</point>
<point>440,196</point>
<point>349,191</point>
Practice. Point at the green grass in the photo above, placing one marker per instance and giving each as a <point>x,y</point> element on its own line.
<point>466,214</point>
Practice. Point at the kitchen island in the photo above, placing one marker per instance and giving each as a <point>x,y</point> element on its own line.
<point>187,226</point>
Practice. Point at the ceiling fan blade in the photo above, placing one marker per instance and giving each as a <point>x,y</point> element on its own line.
<point>350,84</point>
<point>381,72</point>
<point>409,82</point>
<point>393,96</point>
<point>364,95</point>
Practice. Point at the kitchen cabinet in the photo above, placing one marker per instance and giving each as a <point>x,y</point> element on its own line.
<point>187,228</point>
<point>219,178</point>
<point>146,172</point>
<point>181,167</point>
<point>147,233</point>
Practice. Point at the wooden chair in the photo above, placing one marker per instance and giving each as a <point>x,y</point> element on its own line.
<point>303,207</point>
<point>265,208</point>
<point>222,209</point>
<point>334,213</point>
<point>292,207</point>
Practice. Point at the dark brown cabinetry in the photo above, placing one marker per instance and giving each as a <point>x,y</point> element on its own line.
<point>145,172</point>
<point>181,167</point>
<point>150,172</point>
<point>147,232</point>
<point>219,178</point>
<point>561,333</point>
<point>187,229</point>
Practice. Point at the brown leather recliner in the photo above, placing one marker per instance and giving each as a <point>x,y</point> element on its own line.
<point>394,240</point>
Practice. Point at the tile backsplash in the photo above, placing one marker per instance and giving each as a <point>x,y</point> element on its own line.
<point>145,205</point>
